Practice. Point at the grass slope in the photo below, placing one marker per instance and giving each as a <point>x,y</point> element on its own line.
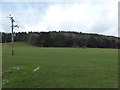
<point>60,67</point>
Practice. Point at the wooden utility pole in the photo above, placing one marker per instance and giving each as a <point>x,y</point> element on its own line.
<point>12,34</point>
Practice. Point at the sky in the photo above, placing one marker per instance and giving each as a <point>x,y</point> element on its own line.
<point>87,16</point>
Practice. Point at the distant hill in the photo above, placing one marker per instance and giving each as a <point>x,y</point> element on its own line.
<point>64,39</point>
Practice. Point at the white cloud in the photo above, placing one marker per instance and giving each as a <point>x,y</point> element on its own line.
<point>96,16</point>
<point>41,26</point>
<point>84,17</point>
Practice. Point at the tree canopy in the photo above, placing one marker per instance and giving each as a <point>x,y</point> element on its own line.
<point>64,39</point>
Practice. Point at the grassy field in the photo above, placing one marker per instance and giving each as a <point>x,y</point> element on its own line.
<point>59,67</point>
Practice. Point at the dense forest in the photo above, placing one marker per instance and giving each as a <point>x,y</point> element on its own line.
<point>64,39</point>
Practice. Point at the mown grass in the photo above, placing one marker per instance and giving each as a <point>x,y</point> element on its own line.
<point>60,67</point>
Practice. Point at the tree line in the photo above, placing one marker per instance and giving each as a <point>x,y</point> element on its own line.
<point>64,39</point>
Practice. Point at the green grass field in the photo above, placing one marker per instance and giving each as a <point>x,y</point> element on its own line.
<point>59,67</point>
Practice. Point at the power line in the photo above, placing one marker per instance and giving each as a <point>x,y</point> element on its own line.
<point>12,27</point>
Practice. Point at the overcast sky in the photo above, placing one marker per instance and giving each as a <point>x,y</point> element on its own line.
<point>87,16</point>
